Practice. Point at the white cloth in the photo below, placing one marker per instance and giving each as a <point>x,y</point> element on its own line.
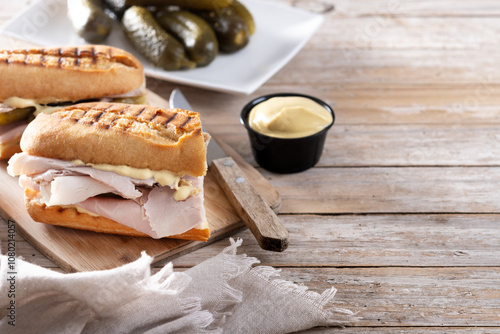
<point>224,294</point>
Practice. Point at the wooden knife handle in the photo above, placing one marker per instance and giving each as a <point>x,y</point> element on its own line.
<point>259,182</point>
<point>251,208</point>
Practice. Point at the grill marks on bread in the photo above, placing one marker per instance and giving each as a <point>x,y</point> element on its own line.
<point>141,120</point>
<point>138,136</point>
<point>76,58</point>
<point>73,73</point>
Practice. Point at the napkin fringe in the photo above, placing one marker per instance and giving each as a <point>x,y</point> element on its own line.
<point>201,318</point>
<point>234,266</point>
<point>170,282</point>
<point>332,314</point>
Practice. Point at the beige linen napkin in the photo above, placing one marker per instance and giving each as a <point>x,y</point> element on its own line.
<point>224,294</point>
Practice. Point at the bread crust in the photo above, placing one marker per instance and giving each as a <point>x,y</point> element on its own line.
<point>70,217</point>
<point>8,149</point>
<point>139,136</point>
<point>68,73</point>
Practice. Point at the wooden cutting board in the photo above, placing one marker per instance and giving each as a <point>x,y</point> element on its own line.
<point>75,250</point>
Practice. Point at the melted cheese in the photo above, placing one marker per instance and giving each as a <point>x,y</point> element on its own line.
<point>79,209</point>
<point>137,96</point>
<point>183,188</point>
<point>17,102</point>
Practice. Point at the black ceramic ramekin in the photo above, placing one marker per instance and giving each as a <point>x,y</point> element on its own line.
<point>285,155</point>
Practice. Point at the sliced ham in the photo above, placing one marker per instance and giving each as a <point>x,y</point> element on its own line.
<point>124,185</point>
<point>123,211</point>
<point>161,205</point>
<point>23,163</point>
<point>160,208</point>
<point>146,206</point>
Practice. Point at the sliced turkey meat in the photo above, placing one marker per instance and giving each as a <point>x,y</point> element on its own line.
<point>145,205</point>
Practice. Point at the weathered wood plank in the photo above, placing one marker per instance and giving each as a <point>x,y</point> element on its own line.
<point>356,241</point>
<point>374,145</point>
<point>394,296</point>
<point>441,240</point>
<point>387,32</point>
<point>386,297</point>
<point>390,190</point>
<point>415,8</point>
<point>407,8</point>
<point>327,67</point>
<point>416,103</point>
<point>360,103</point>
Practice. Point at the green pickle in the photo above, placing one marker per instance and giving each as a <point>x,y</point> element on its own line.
<point>89,20</point>
<point>230,29</point>
<point>131,100</point>
<point>16,115</point>
<point>242,11</point>
<point>188,4</point>
<point>196,35</point>
<point>195,4</point>
<point>154,43</point>
<point>118,7</point>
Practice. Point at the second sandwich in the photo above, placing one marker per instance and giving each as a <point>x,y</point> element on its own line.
<point>116,168</point>
<point>45,79</point>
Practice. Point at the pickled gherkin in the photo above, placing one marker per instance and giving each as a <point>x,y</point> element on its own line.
<point>119,6</point>
<point>89,20</point>
<point>131,100</point>
<point>16,115</point>
<point>196,35</point>
<point>149,38</point>
<point>230,29</point>
<point>242,11</point>
<point>192,4</point>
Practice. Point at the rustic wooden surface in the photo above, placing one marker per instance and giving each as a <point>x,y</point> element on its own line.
<point>402,213</point>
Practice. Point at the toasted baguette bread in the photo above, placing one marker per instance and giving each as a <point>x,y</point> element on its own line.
<point>70,217</point>
<point>138,136</point>
<point>8,149</point>
<point>76,73</point>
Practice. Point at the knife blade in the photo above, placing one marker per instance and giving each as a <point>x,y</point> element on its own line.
<point>261,220</point>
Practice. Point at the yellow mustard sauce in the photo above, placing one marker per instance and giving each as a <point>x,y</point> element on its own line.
<point>289,117</point>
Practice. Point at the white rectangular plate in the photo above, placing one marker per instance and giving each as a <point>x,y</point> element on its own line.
<point>281,31</point>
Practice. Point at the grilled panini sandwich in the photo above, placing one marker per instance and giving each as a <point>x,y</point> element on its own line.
<point>116,168</point>
<point>44,79</point>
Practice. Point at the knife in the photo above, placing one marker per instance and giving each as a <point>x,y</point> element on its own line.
<point>251,208</point>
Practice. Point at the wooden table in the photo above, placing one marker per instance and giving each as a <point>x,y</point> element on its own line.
<point>402,213</point>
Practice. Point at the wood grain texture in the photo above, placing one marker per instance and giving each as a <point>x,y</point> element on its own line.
<point>369,145</point>
<point>253,210</point>
<point>390,190</point>
<point>411,296</point>
<point>386,240</point>
<point>401,214</point>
